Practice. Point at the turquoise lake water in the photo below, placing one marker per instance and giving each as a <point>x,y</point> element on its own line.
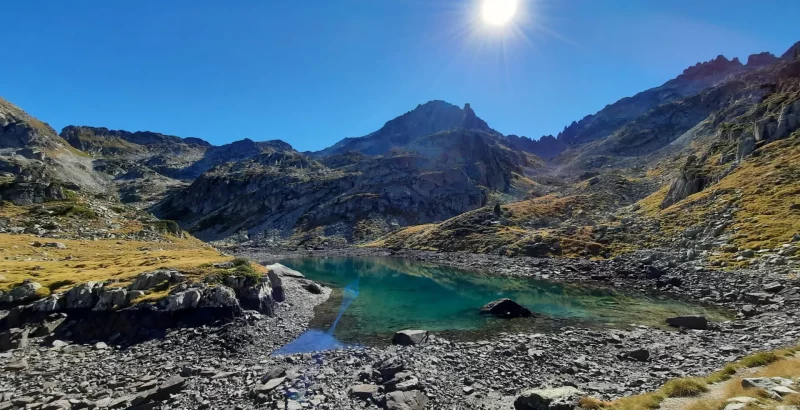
<point>396,294</point>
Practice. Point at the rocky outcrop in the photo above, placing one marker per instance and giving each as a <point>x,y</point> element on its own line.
<point>691,180</point>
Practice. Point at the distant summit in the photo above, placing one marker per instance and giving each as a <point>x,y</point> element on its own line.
<point>426,119</point>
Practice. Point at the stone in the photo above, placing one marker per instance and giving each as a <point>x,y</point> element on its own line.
<point>22,293</point>
<point>561,398</point>
<point>783,390</point>
<point>389,367</point>
<point>57,245</point>
<point>313,287</point>
<point>773,287</point>
<point>258,297</point>
<point>21,364</point>
<point>364,391</point>
<point>689,322</point>
<point>640,355</point>
<point>182,300</point>
<point>281,270</point>
<point>13,339</point>
<point>220,296</point>
<point>48,326</point>
<point>83,296</point>
<point>406,400</point>
<point>149,280</point>
<point>410,337</point>
<point>109,299</point>
<point>505,308</point>
<point>278,292</point>
<point>270,385</point>
<point>52,303</point>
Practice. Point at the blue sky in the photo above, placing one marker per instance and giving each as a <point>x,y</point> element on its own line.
<point>313,72</point>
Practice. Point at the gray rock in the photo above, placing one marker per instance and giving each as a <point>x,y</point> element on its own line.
<point>52,303</point>
<point>689,322</point>
<point>149,280</point>
<point>83,296</point>
<point>19,365</point>
<point>22,293</point>
<point>410,337</point>
<point>278,293</point>
<point>389,367</point>
<point>220,296</point>
<point>506,308</point>
<point>773,287</point>
<point>110,298</point>
<point>14,339</point>
<point>183,300</point>
<point>364,391</point>
<point>640,355</point>
<point>406,400</point>
<point>561,398</point>
<point>281,270</point>
<point>313,287</point>
<point>57,245</point>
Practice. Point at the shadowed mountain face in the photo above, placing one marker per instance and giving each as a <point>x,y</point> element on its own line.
<point>420,179</point>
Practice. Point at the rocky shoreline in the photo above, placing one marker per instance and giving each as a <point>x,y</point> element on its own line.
<point>227,364</point>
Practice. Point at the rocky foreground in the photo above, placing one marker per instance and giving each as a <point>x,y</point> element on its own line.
<point>227,364</point>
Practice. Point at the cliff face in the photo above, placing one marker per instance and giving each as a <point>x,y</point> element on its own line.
<point>355,196</point>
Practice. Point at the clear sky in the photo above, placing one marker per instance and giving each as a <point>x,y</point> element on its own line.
<point>313,72</point>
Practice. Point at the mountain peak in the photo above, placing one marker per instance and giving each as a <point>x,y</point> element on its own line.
<point>719,65</point>
<point>793,53</point>
<point>761,59</point>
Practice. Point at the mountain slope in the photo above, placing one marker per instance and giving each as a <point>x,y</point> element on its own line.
<point>418,177</point>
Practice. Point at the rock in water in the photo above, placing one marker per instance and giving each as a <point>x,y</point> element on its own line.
<point>689,322</point>
<point>410,337</point>
<point>506,308</point>
<point>561,398</point>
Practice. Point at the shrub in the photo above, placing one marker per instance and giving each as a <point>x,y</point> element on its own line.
<point>758,359</point>
<point>685,387</point>
<point>721,375</point>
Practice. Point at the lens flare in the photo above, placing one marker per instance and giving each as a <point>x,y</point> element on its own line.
<point>498,12</point>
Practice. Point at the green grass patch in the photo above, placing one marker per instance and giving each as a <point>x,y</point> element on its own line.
<point>684,387</point>
<point>758,359</point>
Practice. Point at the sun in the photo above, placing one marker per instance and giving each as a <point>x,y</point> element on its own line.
<point>498,12</point>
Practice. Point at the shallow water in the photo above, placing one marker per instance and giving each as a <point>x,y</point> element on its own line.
<point>396,294</point>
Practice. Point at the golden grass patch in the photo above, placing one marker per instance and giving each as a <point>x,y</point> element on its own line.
<point>100,260</point>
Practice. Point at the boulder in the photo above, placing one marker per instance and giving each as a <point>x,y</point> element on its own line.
<point>258,297</point>
<point>278,293</point>
<point>688,322</point>
<point>773,287</point>
<point>406,400</point>
<point>49,325</point>
<point>149,280</point>
<point>389,367</point>
<point>220,296</point>
<point>182,300</point>
<point>83,296</point>
<point>52,303</point>
<point>110,298</point>
<point>13,339</point>
<point>22,293</point>
<point>313,288</point>
<point>639,355</point>
<point>506,308</point>
<point>561,398</point>
<point>410,337</point>
<point>402,381</point>
<point>364,391</point>
<point>281,270</point>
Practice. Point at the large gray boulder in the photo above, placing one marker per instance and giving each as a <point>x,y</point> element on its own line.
<point>149,280</point>
<point>83,296</point>
<point>282,270</point>
<point>253,294</point>
<point>22,293</point>
<point>561,398</point>
<point>506,308</point>
<point>183,300</point>
<point>220,296</point>
<point>110,298</point>
<point>410,337</point>
<point>13,339</point>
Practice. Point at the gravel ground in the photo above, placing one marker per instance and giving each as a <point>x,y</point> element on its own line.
<point>228,365</point>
